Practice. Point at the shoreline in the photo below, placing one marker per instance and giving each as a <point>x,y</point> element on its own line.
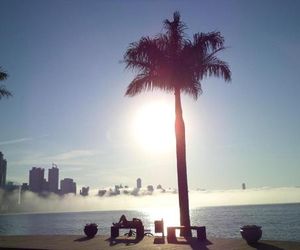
<point>118,210</point>
<point>65,242</point>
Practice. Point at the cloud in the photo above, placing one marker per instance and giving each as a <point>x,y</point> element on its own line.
<point>15,141</point>
<point>23,139</point>
<point>72,158</point>
<point>73,154</point>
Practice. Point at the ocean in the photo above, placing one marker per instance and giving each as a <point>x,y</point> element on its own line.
<point>279,222</point>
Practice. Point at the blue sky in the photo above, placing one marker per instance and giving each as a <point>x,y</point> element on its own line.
<point>63,60</point>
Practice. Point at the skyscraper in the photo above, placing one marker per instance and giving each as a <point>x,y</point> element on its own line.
<point>53,174</point>
<point>36,179</point>
<point>84,191</point>
<point>67,185</point>
<point>139,183</point>
<point>2,171</point>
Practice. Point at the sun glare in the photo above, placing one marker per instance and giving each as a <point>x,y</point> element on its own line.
<point>170,215</point>
<point>154,126</point>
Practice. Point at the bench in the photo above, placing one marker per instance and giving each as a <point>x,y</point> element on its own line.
<point>171,234</point>
<point>114,230</point>
<point>147,232</point>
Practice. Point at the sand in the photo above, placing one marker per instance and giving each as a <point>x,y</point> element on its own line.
<point>103,242</point>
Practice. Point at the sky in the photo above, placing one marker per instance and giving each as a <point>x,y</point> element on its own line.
<point>64,60</point>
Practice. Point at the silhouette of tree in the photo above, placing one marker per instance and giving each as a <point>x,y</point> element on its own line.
<point>3,91</point>
<point>171,62</point>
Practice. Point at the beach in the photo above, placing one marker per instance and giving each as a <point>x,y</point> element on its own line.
<point>104,242</point>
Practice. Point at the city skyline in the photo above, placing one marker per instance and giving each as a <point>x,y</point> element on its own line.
<point>52,185</point>
<point>38,183</point>
<point>69,107</point>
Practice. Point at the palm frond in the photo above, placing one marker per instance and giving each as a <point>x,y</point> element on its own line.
<point>218,68</point>
<point>212,54</point>
<point>175,31</point>
<point>194,89</point>
<point>145,82</point>
<point>174,26</point>
<point>208,41</point>
<point>3,74</point>
<point>140,83</point>
<point>202,60</point>
<point>144,54</point>
<point>4,92</point>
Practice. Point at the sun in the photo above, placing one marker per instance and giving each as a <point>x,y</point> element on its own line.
<point>153,126</point>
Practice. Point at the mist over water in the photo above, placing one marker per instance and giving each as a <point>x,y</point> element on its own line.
<point>31,202</point>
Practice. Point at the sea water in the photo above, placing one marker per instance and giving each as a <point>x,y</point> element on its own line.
<point>279,222</point>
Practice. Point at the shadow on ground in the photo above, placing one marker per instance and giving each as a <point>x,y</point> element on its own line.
<point>159,240</point>
<point>193,242</point>
<point>14,248</point>
<point>126,241</point>
<point>83,239</point>
<point>264,246</point>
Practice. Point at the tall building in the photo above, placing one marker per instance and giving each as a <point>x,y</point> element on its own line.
<point>84,191</point>
<point>36,180</point>
<point>24,187</point>
<point>139,183</point>
<point>150,188</point>
<point>53,174</point>
<point>45,186</point>
<point>67,185</point>
<point>243,186</point>
<point>2,171</point>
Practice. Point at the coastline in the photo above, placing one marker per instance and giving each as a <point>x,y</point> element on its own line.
<point>65,242</point>
<point>122,210</point>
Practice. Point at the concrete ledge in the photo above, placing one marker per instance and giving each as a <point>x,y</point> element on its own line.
<point>74,242</point>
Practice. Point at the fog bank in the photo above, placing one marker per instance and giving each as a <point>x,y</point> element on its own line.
<point>31,202</point>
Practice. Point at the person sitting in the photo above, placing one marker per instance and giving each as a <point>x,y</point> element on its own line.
<point>127,223</point>
<point>122,222</point>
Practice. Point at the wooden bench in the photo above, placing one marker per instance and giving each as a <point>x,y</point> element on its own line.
<point>171,232</point>
<point>115,230</point>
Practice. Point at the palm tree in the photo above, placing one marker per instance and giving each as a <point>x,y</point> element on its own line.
<point>3,90</point>
<point>171,62</point>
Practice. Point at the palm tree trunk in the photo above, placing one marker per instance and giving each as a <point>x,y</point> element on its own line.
<point>181,166</point>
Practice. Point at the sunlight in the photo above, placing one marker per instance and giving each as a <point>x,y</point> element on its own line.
<point>170,215</point>
<point>154,127</point>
